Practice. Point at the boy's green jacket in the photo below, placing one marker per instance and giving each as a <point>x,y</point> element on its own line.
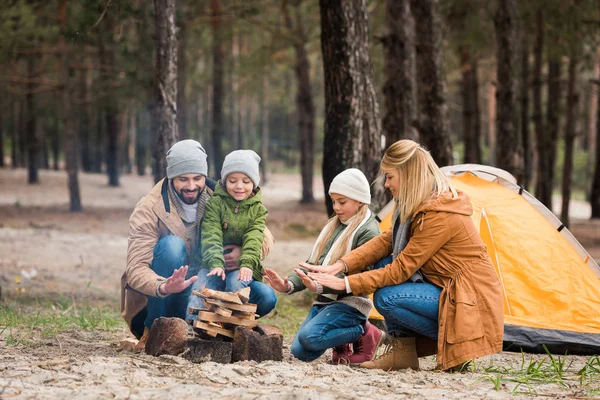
<point>228,221</point>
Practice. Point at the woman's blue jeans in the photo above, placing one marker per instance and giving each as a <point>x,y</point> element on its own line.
<point>327,326</point>
<point>409,308</point>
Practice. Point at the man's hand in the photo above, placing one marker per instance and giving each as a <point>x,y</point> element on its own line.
<point>332,269</point>
<point>277,282</point>
<point>177,283</point>
<point>231,253</point>
<point>308,282</point>
<point>218,272</point>
<point>245,274</point>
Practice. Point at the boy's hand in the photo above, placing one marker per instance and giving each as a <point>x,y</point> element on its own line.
<point>218,272</point>
<point>231,253</point>
<point>277,282</point>
<point>245,274</point>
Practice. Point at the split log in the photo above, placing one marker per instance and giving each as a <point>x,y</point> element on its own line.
<point>207,316</point>
<point>250,345</point>
<point>213,328</point>
<point>244,294</point>
<point>249,308</point>
<point>216,294</point>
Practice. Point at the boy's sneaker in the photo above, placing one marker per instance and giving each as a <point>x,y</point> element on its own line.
<point>367,344</point>
<point>341,354</point>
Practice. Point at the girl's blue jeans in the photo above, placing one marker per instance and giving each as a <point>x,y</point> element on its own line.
<point>327,326</point>
<point>408,308</point>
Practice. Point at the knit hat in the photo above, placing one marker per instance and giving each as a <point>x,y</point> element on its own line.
<point>353,184</point>
<point>244,161</point>
<point>186,157</point>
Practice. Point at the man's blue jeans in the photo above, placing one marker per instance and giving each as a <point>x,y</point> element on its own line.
<point>408,308</point>
<point>260,294</point>
<point>327,326</point>
<point>169,254</point>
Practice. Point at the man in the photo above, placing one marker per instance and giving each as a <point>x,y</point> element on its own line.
<point>164,235</point>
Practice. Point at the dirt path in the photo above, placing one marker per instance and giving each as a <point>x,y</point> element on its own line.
<point>82,255</point>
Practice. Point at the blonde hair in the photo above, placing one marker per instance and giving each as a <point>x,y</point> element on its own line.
<point>420,177</point>
<point>331,226</point>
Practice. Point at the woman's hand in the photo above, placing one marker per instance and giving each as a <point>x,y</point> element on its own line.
<point>177,282</point>
<point>309,283</point>
<point>277,282</point>
<point>330,281</point>
<point>218,272</point>
<point>332,269</point>
<point>245,274</point>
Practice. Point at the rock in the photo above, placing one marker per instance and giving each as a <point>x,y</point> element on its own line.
<point>250,345</point>
<point>167,336</point>
<point>200,351</point>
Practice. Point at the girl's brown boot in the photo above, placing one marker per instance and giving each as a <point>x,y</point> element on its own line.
<point>401,353</point>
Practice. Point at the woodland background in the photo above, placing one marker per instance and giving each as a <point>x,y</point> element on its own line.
<point>106,86</point>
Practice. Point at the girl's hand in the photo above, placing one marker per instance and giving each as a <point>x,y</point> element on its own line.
<point>218,272</point>
<point>309,283</point>
<point>332,269</point>
<point>177,282</point>
<point>330,281</point>
<point>277,282</point>
<point>245,274</point>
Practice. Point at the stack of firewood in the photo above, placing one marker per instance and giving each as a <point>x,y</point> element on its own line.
<point>223,312</point>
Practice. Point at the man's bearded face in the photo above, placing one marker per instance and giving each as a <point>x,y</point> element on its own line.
<point>188,187</point>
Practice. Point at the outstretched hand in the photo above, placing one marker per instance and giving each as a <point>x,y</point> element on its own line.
<point>330,281</point>
<point>277,282</point>
<point>308,282</point>
<point>332,269</point>
<point>177,283</point>
<point>218,272</point>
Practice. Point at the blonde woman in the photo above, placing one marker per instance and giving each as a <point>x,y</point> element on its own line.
<point>337,319</point>
<point>439,285</point>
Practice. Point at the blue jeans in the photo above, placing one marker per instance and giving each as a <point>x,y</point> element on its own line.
<point>169,254</point>
<point>409,308</point>
<point>327,326</point>
<point>231,283</point>
<point>260,294</point>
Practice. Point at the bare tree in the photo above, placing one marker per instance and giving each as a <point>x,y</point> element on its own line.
<point>570,133</point>
<point>352,127</point>
<point>525,108</point>
<point>218,84</point>
<point>166,132</point>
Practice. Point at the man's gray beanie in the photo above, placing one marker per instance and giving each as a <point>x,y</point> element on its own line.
<point>244,161</point>
<point>186,157</point>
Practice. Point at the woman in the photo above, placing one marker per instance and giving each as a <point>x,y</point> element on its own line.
<point>441,284</point>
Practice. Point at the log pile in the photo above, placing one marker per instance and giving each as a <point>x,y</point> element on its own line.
<point>223,312</point>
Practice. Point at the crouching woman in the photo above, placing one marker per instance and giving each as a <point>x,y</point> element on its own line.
<point>438,285</point>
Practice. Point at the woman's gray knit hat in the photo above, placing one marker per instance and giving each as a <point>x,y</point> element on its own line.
<point>244,161</point>
<point>186,157</point>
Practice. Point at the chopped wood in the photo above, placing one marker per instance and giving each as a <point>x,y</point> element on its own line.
<point>194,311</point>
<point>225,296</point>
<point>268,330</point>
<point>244,315</point>
<point>207,316</point>
<point>249,308</point>
<point>223,311</point>
<point>244,294</point>
<point>212,328</point>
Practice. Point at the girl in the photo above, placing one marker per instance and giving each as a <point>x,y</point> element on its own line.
<point>457,301</point>
<point>336,318</point>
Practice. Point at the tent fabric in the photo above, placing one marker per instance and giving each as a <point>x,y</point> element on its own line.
<point>551,286</point>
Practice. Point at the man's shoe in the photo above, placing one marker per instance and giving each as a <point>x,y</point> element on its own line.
<point>367,344</point>
<point>400,354</point>
<point>341,354</point>
<point>141,345</point>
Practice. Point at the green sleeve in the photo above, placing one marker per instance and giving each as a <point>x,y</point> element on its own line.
<point>253,239</point>
<point>212,235</point>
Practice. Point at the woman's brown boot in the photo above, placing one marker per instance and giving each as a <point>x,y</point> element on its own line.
<point>401,353</point>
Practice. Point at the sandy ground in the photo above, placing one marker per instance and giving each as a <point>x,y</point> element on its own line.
<point>82,255</point>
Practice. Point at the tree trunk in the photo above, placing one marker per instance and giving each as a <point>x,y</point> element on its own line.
<point>399,87</point>
<point>70,137</point>
<point>263,128</point>
<point>538,117</point>
<point>141,140</point>
<point>431,86</point>
<point>304,103</point>
<point>352,127</point>
<point>55,139</point>
<point>3,128</point>
<point>217,131</point>
<point>40,133</point>
<point>33,143</point>
<point>508,151</point>
<point>166,84</point>
<point>525,109</point>
<point>15,134</point>
<point>84,121</point>
<point>98,146</point>
<point>182,116</point>
<point>469,92</point>
<point>570,133</point>
<point>595,192</point>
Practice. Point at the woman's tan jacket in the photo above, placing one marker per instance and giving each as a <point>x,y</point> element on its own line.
<point>445,245</point>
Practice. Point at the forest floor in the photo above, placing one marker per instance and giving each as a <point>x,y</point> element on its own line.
<point>60,327</point>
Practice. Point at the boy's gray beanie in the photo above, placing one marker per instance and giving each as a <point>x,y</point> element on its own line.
<point>244,161</point>
<point>186,157</point>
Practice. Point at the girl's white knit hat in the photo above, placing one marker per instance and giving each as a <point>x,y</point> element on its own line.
<point>353,184</point>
